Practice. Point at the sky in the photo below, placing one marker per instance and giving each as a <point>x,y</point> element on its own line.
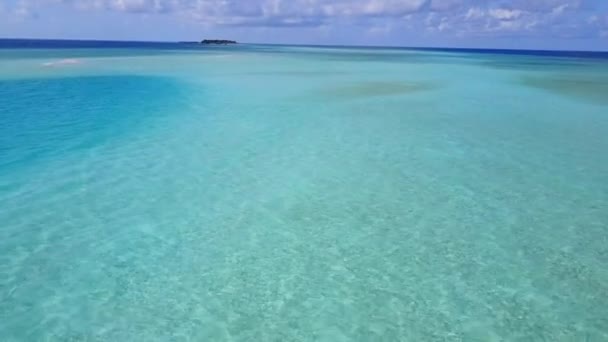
<point>520,24</point>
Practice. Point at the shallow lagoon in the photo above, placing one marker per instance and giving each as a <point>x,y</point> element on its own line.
<point>302,194</point>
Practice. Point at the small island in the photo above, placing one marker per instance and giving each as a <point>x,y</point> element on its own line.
<point>218,42</point>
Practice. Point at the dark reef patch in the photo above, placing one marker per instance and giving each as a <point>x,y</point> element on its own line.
<point>376,88</point>
<point>588,88</point>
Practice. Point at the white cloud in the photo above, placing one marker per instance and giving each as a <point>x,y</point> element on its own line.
<point>18,11</point>
<point>457,17</point>
<point>474,13</point>
<point>559,9</point>
<point>446,5</point>
<point>504,14</point>
<point>262,12</point>
<point>593,19</point>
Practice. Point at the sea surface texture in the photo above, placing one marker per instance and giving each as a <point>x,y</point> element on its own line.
<point>166,192</point>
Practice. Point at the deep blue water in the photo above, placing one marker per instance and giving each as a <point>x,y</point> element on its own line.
<point>101,44</point>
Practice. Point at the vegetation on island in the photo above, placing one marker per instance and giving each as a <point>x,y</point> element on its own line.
<point>218,41</point>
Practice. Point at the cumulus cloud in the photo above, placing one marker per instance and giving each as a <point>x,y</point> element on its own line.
<point>261,12</point>
<point>457,17</point>
<point>18,10</point>
<point>504,14</point>
<point>445,5</point>
<point>563,18</point>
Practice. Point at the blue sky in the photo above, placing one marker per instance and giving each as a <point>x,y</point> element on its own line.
<point>540,24</point>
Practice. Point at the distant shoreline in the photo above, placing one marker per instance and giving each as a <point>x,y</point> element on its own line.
<point>218,42</point>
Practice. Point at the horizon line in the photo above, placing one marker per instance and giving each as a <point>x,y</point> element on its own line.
<point>309,45</point>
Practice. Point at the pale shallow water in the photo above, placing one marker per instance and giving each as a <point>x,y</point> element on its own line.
<point>302,194</point>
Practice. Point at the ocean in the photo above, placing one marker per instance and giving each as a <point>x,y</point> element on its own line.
<point>177,192</point>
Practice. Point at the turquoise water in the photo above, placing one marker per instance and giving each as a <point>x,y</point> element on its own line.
<point>302,194</point>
